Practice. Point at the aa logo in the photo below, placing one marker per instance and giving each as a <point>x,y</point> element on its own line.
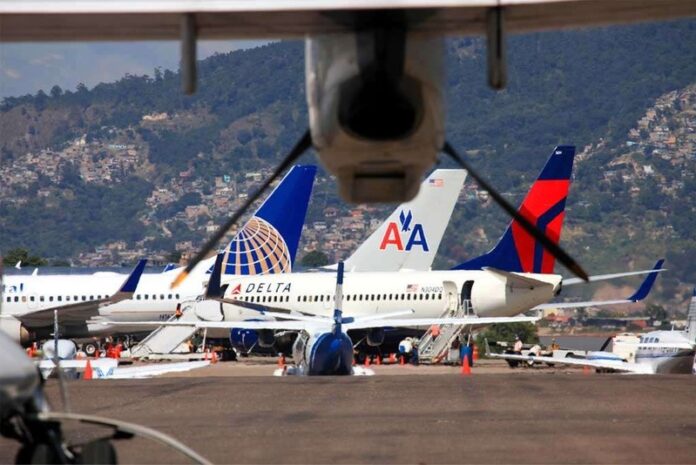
<point>398,235</point>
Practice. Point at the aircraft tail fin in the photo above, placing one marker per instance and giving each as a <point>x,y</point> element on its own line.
<point>267,244</point>
<point>544,206</point>
<point>410,237</point>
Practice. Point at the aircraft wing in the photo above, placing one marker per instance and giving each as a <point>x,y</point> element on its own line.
<point>290,325</point>
<point>47,20</point>
<point>80,312</point>
<point>636,368</point>
<point>640,294</point>
<point>155,369</point>
<point>407,322</point>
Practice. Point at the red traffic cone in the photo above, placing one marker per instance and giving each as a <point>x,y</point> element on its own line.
<point>89,373</point>
<point>466,369</point>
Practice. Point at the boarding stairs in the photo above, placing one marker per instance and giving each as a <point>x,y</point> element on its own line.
<point>165,339</point>
<point>433,349</point>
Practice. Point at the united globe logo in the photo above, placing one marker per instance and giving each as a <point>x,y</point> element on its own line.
<point>257,249</point>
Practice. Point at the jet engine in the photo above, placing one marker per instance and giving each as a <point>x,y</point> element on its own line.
<point>266,337</point>
<point>375,109</point>
<point>16,331</point>
<point>375,337</point>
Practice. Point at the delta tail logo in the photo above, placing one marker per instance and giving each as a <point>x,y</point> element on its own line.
<point>257,249</point>
<point>404,236</point>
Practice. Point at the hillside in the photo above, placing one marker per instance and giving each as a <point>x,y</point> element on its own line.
<point>134,167</point>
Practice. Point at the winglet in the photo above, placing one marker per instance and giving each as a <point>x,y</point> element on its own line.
<point>134,278</point>
<point>647,285</point>
<point>214,290</point>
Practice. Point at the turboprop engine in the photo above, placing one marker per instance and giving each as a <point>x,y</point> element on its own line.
<point>375,108</point>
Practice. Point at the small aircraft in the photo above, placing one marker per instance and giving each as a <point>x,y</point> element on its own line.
<point>655,352</point>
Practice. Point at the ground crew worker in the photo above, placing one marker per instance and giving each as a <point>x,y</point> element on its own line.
<point>517,348</point>
<point>178,311</point>
<point>435,331</point>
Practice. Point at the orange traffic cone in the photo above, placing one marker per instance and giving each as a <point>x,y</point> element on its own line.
<point>379,360</point>
<point>476,353</point>
<point>466,369</point>
<point>392,358</point>
<point>367,361</point>
<point>402,360</point>
<point>89,373</point>
<point>214,358</point>
<point>586,370</point>
<point>281,361</point>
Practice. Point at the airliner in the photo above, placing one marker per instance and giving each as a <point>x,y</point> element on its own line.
<point>323,346</point>
<point>655,352</point>
<point>515,276</point>
<point>267,244</point>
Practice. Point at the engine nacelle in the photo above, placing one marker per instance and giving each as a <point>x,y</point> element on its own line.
<point>67,350</point>
<point>377,124</point>
<point>266,337</point>
<point>16,331</point>
<point>375,337</point>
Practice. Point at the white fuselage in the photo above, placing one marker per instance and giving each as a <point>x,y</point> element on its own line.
<point>428,293</point>
<point>153,299</point>
<point>666,351</point>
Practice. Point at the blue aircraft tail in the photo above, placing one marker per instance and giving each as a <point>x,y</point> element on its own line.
<point>544,206</point>
<point>267,244</point>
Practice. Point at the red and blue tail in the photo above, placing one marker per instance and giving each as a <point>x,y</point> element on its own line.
<point>544,206</point>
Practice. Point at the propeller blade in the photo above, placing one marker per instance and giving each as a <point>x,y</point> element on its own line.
<point>300,148</point>
<point>548,244</point>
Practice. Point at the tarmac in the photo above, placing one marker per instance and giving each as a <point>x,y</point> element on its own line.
<point>239,413</point>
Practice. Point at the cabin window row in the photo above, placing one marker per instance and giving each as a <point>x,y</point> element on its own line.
<point>348,298</point>
<point>84,298</point>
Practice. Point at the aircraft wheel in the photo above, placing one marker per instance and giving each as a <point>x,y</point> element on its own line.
<point>36,453</point>
<point>90,349</point>
<point>100,452</point>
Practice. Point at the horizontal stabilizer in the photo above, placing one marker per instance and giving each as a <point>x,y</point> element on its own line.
<point>640,294</point>
<point>516,280</point>
<point>603,277</point>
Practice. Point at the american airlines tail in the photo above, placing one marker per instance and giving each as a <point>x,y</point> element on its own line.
<point>544,206</point>
<point>410,237</point>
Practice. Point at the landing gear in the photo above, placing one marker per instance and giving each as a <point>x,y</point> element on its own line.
<point>90,348</point>
<point>100,451</point>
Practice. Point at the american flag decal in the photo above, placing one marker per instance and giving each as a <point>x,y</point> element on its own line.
<point>436,182</point>
<point>412,288</point>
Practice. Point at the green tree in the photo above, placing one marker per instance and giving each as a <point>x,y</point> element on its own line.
<point>315,259</point>
<point>16,255</point>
